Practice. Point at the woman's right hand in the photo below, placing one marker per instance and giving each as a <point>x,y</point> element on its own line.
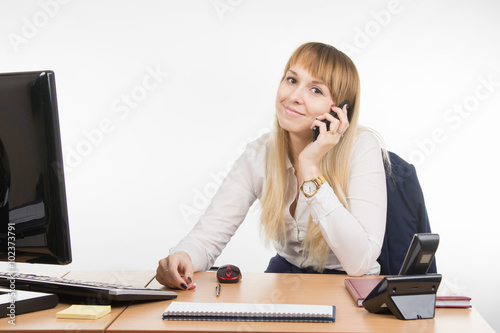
<point>176,271</point>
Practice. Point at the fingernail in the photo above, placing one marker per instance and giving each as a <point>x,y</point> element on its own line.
<point>190,280</point>
<point>183,286</point>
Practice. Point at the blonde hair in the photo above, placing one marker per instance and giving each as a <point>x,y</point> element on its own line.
<point>339,73</point>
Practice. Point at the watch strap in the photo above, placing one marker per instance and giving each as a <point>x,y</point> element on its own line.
<point>319,181</point>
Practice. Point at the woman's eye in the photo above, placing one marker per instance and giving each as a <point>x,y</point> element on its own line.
<point>291,80</point>
<point>317,91</point>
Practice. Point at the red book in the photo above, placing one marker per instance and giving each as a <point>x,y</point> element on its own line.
<point>446,297</point>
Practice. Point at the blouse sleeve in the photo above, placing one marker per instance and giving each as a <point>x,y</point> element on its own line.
<point>355,235</point>
<point>227,210</point>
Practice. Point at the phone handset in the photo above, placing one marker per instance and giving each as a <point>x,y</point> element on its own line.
<point>333,113</point>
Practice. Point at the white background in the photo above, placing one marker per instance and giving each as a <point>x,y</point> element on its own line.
<point>143,155</point>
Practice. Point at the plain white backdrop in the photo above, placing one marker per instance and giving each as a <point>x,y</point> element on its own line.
<point>158,98</point>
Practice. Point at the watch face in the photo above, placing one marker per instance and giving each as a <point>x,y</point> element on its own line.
<point>309,187</point>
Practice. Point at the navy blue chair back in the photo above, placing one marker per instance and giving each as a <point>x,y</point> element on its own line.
<point>406,215</point>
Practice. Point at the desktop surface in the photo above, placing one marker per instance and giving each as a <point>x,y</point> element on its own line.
<point>289,289</point>
<point>253,288</point>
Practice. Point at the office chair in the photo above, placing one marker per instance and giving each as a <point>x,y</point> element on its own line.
<point>406,215</point>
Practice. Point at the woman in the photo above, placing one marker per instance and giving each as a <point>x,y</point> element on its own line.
<point>323,202</point>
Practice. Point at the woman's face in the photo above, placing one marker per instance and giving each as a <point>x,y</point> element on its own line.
<point>300,99</point>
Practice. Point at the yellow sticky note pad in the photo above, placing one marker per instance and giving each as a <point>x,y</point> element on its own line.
<point>84,312</point>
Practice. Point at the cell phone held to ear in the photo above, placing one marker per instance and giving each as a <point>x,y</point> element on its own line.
<point>333,113</point>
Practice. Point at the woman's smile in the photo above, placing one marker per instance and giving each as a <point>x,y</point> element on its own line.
<point>292,112</point>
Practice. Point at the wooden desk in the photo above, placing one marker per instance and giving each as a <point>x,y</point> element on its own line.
<point>46,321</point>
<point>289,288</point>
<point>254,288</point>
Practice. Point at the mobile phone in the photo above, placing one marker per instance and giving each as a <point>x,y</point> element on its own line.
<point>341,105</point>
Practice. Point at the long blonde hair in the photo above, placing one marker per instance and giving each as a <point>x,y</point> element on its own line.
<point>339,73</point>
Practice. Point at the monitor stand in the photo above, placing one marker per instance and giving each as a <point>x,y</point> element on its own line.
<point>16,302</point>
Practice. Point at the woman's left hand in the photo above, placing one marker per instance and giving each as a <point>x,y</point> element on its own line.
<point>312,154</point>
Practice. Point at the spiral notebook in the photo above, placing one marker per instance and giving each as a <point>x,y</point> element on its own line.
<point>250,312</point>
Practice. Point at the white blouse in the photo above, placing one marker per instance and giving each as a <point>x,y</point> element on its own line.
<point>355,236</point>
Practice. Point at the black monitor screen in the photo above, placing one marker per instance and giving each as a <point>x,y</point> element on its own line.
<point>33,213</point>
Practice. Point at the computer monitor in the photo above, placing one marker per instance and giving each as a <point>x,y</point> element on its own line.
<point>33,213</point>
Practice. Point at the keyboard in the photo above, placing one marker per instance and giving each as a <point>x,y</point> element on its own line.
<point>98,290</point>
